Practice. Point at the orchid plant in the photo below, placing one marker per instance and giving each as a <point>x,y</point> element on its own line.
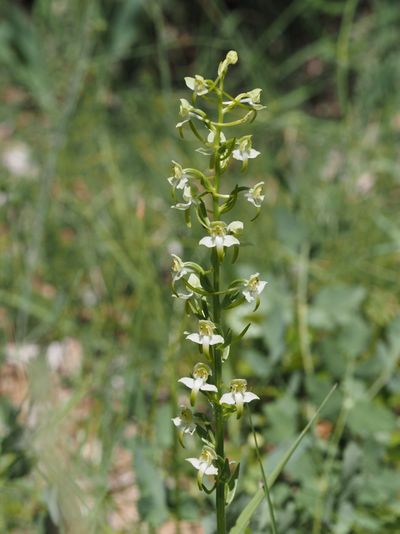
<point>201,194</point>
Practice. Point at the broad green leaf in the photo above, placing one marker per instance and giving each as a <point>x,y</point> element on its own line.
<point>335,306</point>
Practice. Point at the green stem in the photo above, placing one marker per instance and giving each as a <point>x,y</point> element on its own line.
<point>219,421</point>
<point>274,528</point>
<point>302,309</point>
<point>340,426</point>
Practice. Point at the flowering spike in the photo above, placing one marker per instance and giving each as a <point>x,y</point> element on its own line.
<point>200,192</point>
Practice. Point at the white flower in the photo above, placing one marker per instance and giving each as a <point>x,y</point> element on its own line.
<point>194,281</point>
<point>201,372</point>
<point>204,464</point>
<point>235,227</point>
<point>208,150</point>
<point>252,98</point>
<point>238,395</point>
<point>253,287</point>
<point>254,195</point>
<point>184,423</point>
<point>187,111</point>
<point>219,237</point>
<point>197,84</point>
<point>230,59</point>
<point>180,179</point>
<point>188,200</point>
<point>179,267</point>
<point>205,336</point>
<point>211,137</point>
<point>245,151</point>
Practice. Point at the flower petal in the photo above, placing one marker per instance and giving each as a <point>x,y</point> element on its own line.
<point>261,285</point>
<point>215,339</point>
<point>249,396</point>
<point>190,82</point>
<point>195,462</point>
<point>211,470</point>
<point>209,387</point>
<point>195,338</point>
<point>229,241</point>
<point>227,398</point>
<point>207,242</point>
<point>188,382</point>
<point>235,227</point>
<point>177,421</point>
<point>248,295</point>
<point>253,153</point>
<point>237,154</point>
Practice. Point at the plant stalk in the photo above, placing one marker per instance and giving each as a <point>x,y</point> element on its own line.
<point>219,422</point>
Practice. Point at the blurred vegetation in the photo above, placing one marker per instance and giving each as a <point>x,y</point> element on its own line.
<point>90,334</point>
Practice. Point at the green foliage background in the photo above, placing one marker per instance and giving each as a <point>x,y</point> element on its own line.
<point>91,88</point>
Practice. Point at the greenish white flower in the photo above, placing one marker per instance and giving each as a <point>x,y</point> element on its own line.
<point>197,84</point>
<point>188,199</point>
<point>201,372</point>
<point>209,150</point>
<point>251,98</point>
<point>235,227</point>
<point>230,59</point>
<point>204,464</point>
<point>253,287</point>
<point>205,336</point>
<point>220,237</point>
<point>193,281</point>
<point>238,395</point>
<point>184,423</point>
<point>180,178</point>
<point>254,195</point>
<point>211,137</point>
<point>187,111</point>
<point>245,151</point>
<point>179,268</point>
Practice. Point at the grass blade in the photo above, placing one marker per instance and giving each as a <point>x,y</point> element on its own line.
<point>247,513</point>
<point>265,481</point>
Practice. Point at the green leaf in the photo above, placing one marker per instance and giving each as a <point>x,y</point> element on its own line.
<point>291,230</point>
<point>335,306</point>
<point>246,515</point>
<point>369,418</point>
<point>281,418</point>
<point>242,333</point>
